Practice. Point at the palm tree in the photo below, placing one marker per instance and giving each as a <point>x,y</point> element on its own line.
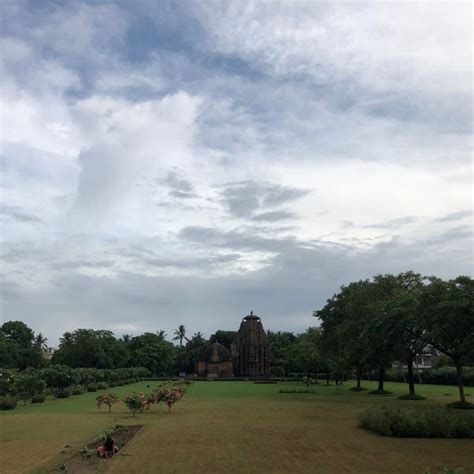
<point>40,342</point>
<point>67,337</point>
<point>161,334</point>
<point>180,334</point>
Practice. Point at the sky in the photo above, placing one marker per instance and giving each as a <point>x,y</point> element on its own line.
<point>185,162</point>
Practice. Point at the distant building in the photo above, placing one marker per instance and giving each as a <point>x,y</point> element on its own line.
<point>47,352</point>
<point>424,361</point>
<point>249,355</point>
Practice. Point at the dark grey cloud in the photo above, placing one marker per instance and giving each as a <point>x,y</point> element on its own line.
<point>242,240</point>
<point>179,187</point>
<point>175,181</point>
<point>243,199</point>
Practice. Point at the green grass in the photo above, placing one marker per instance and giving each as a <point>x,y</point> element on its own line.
<point>234,427</point>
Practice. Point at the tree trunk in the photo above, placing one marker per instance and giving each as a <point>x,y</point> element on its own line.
<point>327,378</point>
<point>358,379</point>
<point>381,377</point>
<point>308,378</point>
<point>411,380</point>
<point>462,397</point>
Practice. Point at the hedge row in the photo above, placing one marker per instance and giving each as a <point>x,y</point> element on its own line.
<point>61,381</point>
<point>417,422</point>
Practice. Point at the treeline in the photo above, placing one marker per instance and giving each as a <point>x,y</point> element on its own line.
<point>369,324</point>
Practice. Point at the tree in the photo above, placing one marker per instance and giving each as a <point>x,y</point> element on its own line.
<point>447,312</point>
<point>40,342</point>
<point>344,321</point>
<point>91,348</point>
<point>9,353</point>
<point>403,307</point>
<point>18,334</point>
<point>304,354</point>
<point>151,351</point>
<point>180,334</point>
<point>226,338</point>
<point>383,328</point>
<point>28,384</point>
<point>279,343</point>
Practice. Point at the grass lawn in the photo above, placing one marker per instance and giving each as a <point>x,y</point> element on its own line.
<point>232,427</point>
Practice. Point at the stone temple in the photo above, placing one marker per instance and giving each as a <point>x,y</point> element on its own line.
<point>252,354</point>
<point>249,355</point>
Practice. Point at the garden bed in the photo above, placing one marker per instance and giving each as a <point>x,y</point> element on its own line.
<point>86,460</point>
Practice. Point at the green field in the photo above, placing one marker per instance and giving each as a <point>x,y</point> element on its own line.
<point>232,427</point>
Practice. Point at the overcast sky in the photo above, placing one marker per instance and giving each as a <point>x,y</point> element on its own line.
<point>177,162</point>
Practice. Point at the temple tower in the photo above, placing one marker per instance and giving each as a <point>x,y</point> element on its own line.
<point>252,357</point>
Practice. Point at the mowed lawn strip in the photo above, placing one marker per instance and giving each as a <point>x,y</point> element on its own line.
<point>233,427</point>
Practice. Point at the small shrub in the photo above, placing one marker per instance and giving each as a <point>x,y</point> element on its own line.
<point>38,398</point>
<point>91,387</point>
<point>417,422</point>
<point>7,403</point>
<point>78,390</point>
<point>107,399</point>
<point>174,395</point>
<point>63,393</point>
<point>134,402</point>
<point>102,386</point>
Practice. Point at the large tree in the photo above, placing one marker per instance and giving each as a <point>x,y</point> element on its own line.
<point>151,351</point>
<point>447,309</point>
<point>91,348</point>
<point>279,342</point>
<point>344,320</point>
<point>305,353</point>
<point>403,307</point>
<point>19,337</point>
<point>226,338</point>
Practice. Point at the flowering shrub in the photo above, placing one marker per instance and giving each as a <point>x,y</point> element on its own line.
<point>173,395</point>
<point>107,399</point>
<point>137,402</point>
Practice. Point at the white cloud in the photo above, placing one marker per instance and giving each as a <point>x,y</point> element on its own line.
<point>271,153</point>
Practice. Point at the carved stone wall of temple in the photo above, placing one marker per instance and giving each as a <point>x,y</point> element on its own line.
<point>251,350</point>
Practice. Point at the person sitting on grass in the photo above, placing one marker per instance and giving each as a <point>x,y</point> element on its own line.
<point>108,449</point>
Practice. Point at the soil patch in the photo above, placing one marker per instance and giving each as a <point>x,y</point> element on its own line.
<point>87,460</point>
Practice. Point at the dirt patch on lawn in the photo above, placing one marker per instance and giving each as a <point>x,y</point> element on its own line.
<point>87,460</point>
